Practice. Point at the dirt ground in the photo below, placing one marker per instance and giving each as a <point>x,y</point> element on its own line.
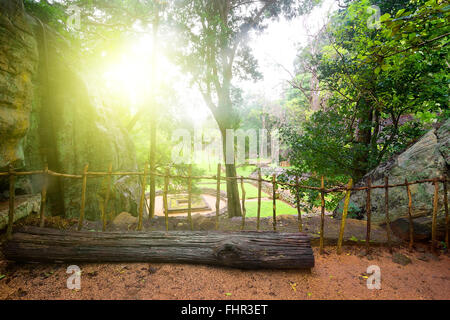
<point>333,277</point>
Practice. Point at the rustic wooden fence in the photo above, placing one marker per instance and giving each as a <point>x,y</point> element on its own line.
<point>12,174</point>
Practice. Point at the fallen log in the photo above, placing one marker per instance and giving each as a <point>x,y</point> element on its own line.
<point>246,250</point>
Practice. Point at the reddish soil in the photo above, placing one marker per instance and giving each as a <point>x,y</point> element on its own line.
<point>334,277</point>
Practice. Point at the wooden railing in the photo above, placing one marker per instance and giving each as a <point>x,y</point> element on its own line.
<point>12,174</point>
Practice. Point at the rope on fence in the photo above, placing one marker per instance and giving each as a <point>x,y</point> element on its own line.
<point>134,173</point>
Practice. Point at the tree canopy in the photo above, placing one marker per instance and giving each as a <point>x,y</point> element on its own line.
<point>380,86</point>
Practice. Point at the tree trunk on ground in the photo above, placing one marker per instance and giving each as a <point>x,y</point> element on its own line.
<point>247,250</point>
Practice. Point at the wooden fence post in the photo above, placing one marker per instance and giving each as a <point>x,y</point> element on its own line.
<point>12,196</point>
<point>297,191</point>
<point>386,209</point>
<point>344,216</point>
<point>243,203</point>
<point>219,172</point>
<point>152,200</point>
<point>105,204</point>
<point>446,212</point>
<point>274,195</point>
<point>83,197</point>
<point>369,214</point>
<point>322,213</point>
<point>411,226</point>
<point>434,221</point>
<point>142,199</point>
<point>191,225</point>
<point>258,213</point>
<point>166,206</point>
<point>43,197</point>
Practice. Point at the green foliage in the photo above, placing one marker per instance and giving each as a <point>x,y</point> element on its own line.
<point>53,15</point>
<point>372,78</point>
<point>245,170</point>
<point>353,211</point>
<point>368,78</point>
<point>211,46</point>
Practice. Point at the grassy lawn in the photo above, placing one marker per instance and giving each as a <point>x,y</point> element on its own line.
<point>251,208</point>
<point>251,192</point>
<point>245,171</point>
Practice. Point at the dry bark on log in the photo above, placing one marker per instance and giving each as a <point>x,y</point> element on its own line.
<point>246,250</point>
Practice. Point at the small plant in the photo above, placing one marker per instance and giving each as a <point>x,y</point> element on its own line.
<point>353,211</point>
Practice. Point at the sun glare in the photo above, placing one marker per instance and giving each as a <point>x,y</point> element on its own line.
<point>130,72</point>
<point>128,75</point>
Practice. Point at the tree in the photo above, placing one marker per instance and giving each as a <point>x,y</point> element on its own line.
<point>372,78</point>
<point>212,48</point>
<point>104,26</point>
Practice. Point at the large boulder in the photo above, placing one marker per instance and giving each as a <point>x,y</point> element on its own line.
<point>428,158</point>
<point>124,219</point>
<point>24,206</point>
<point>48,114</point>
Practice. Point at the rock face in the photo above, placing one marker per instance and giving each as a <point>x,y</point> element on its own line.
<point>421,227</point>
<point>427,158</point>
<point>401,259</point>
<point>48,115</point>
<point>124,219</point>
<point>25,205</point>
<point>18,65</point>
